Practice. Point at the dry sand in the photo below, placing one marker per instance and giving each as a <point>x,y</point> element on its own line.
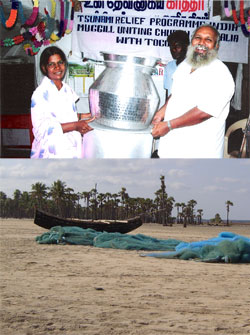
<point>69,290</point>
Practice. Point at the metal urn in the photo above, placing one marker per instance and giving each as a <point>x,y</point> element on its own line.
<point>124,95</point>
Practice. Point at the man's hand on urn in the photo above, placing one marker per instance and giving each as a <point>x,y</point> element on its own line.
<point>160,129</point>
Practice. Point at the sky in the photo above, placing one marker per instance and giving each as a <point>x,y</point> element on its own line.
<point>209,182</point>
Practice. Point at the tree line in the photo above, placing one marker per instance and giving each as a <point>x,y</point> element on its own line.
<point>61,200</point>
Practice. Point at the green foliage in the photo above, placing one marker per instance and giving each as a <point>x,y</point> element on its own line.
<point>217,219</point>
<point>59,199</point>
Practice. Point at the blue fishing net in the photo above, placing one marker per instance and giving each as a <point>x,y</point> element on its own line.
<point>227,247</point>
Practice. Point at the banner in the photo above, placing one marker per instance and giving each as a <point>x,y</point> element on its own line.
<point>148,7</point>
<point>141,28</point>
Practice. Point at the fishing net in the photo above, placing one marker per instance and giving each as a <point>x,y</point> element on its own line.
<point>227,247</point>
<point>133,242</point>
<point>76,235</point>
<point>68,235</point>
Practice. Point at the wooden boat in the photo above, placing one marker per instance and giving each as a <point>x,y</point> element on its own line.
<point>47,221</point>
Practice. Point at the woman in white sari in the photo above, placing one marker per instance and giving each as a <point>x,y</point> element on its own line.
<point>56,128</point>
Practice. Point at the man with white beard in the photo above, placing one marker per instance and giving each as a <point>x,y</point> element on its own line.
<point>191,124</point>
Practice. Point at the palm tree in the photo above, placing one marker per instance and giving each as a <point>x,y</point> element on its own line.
<point>101,199</point>
<point>26,210</point>
<point>192,203</point>
<point>16,201</point>
<point>157,204</point>
<point>123,194</point>
<point>3,201</point>
<point>186,213</point>
<point>161,202</point>
<point>178,205</point>
<point>86,196</point>
<point>147,209</point>
<point>157,199</point>
<point>39,194</point>
<point>199,216</point>
<point>58,194</point>
<point>115,202</point>
<point>164,197</point>
<point>182,216</point>
<point>71,198</point>
<point>107,205</point>
<point>228,203</point>
<point>169,206</point>
<point>7,206</point>
<point>94,202</point>
<point>126,204</point>
<point>131,203</point>
<point>79,197</point>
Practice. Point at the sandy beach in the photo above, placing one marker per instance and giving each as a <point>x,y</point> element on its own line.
<point>73,290</point>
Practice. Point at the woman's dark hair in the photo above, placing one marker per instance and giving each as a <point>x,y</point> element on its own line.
<point>44,59</point>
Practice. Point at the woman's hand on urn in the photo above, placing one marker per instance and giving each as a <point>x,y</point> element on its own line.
<point>83,126</point>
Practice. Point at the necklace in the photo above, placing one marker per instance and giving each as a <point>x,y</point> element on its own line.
<point>63,21</point>
<point>242,19</point>
<point>41,34</point>
<point>242,22</point>
<point>227,11</point>
<point>31,20</point>
<point>245,30</point>
<point>15,7</point>
<point>66,19</point>
<point>31,50</point>
<point>50,25</point>
<point>38,39</point>
<point>55,37</point>
<point>20,13</point>
<point>60,33</point>
<point>53,8</point>
<point>50,19</point>
<point>70,27</point>
<point>9,23</point>
<point>236,21</point>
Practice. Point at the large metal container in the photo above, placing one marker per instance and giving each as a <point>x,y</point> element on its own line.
<point>124,95</point>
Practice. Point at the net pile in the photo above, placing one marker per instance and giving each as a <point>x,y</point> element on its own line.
<point>227,247</point>
<point>76,235</point>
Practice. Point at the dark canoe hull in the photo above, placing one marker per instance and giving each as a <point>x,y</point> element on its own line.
<point>48,221</point>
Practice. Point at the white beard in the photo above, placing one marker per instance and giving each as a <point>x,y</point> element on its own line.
<point>197,60</point>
